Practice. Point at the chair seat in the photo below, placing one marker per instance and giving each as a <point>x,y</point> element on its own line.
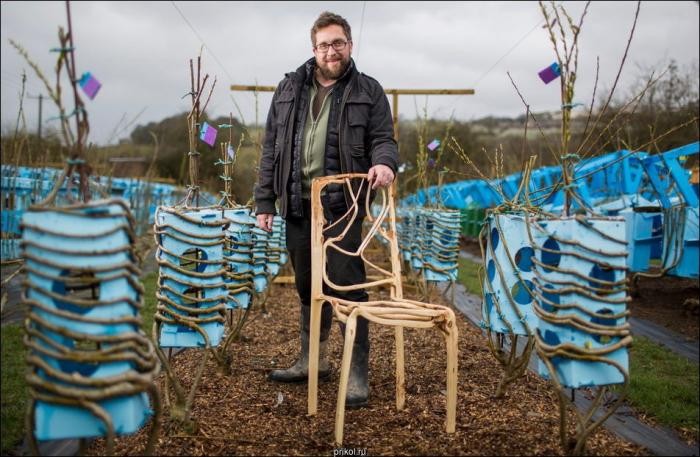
<point>402,313</point>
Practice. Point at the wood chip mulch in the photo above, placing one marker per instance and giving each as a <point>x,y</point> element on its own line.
<point>245,414</point>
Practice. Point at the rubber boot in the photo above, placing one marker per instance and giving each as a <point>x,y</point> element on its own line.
<point>358,385</point>
<point>299,372</point>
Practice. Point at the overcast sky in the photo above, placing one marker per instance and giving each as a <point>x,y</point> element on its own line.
<point>140,52</point>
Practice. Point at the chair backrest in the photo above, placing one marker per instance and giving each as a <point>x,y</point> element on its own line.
<point>383,224</point>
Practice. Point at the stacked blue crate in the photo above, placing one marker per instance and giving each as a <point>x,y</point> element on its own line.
<point>24,186</point>
<point>642,219</point>
<point>404,228</point>
<point>284,254</point>
<point>451,197</point>
<point>10,221</point>
<point>581,307</point>
<point>19,189</point>
<point>681,256</point>
<point>509,280</point>
<point>238,254</point>
<point>83,336</point>
<point>545,192</point>
<point>261,277</point>
<point>609,176</point>
<point>9,248</point>
<point>464,189</point>
<point>433,196</point>
<point>597,176</point>
<point>416,243</point>
<point>421,197</point>
<point>119,187</point>
<point>276,247</point>
<point>644,241</point>
<point>509,185</point>
<point>409,201</point>
<point>679,198</point>
<point>192,289</point>
<point>485,195</point>
<point>441,245</point>
<point>688,265</point>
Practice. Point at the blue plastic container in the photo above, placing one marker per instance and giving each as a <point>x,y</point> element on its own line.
<point>574,246</point>
<point>196,233</point>
<point>65,250</point>
<point>508,282</point>
<point>440,245</point>
<point>681,254</point>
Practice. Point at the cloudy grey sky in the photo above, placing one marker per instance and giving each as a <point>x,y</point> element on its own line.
<point>140,52</point>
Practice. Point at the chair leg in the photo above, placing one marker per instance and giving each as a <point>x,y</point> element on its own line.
<point>314,338</point>
<point>400,370</point>
<point>350,327</point>
<point>451,343</point>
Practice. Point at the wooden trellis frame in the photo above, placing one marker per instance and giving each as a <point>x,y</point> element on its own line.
<point>393,92</point>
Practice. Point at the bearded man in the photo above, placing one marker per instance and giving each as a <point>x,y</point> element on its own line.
<point>326,118</point>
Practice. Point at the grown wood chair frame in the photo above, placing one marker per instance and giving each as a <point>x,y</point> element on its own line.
<point>397,311</point>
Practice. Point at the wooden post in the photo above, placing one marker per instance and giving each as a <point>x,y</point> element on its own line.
<point>395,109</point>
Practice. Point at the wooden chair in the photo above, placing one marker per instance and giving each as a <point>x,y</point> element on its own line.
<point>397,311</point>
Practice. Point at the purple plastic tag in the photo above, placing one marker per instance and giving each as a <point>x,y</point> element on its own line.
<point>208,134</point>
<point>434,144</point>
<point>550,73</point>
<point>89,84</point>
<point>231,152</point>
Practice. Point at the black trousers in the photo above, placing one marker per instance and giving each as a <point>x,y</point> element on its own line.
<point>342,270</point>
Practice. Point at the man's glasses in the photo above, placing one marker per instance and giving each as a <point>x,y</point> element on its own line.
<point>338,45</point>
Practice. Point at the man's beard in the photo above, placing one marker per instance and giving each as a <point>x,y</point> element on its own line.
<point>330,74</point>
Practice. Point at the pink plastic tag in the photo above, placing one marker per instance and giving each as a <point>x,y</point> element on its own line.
<point>90,85</point>
<point>208,134</point>
<point>550,73</point>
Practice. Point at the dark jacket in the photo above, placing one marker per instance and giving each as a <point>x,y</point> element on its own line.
<point>360,135</point>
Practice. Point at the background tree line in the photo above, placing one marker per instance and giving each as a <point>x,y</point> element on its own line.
<point>665,117</point>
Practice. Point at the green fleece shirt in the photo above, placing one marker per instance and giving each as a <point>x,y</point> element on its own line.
<point>314,147</point>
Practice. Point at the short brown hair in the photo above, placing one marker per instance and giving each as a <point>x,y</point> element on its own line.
<point>327,18</point>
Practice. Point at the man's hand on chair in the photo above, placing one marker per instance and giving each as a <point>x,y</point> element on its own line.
<point>380,176</point>
<point>265,221</point>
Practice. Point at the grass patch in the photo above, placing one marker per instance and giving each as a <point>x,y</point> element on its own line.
<point>14,389</point>
<point>468,276</point>
<point>150,282</point>
<point>664,385</point>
